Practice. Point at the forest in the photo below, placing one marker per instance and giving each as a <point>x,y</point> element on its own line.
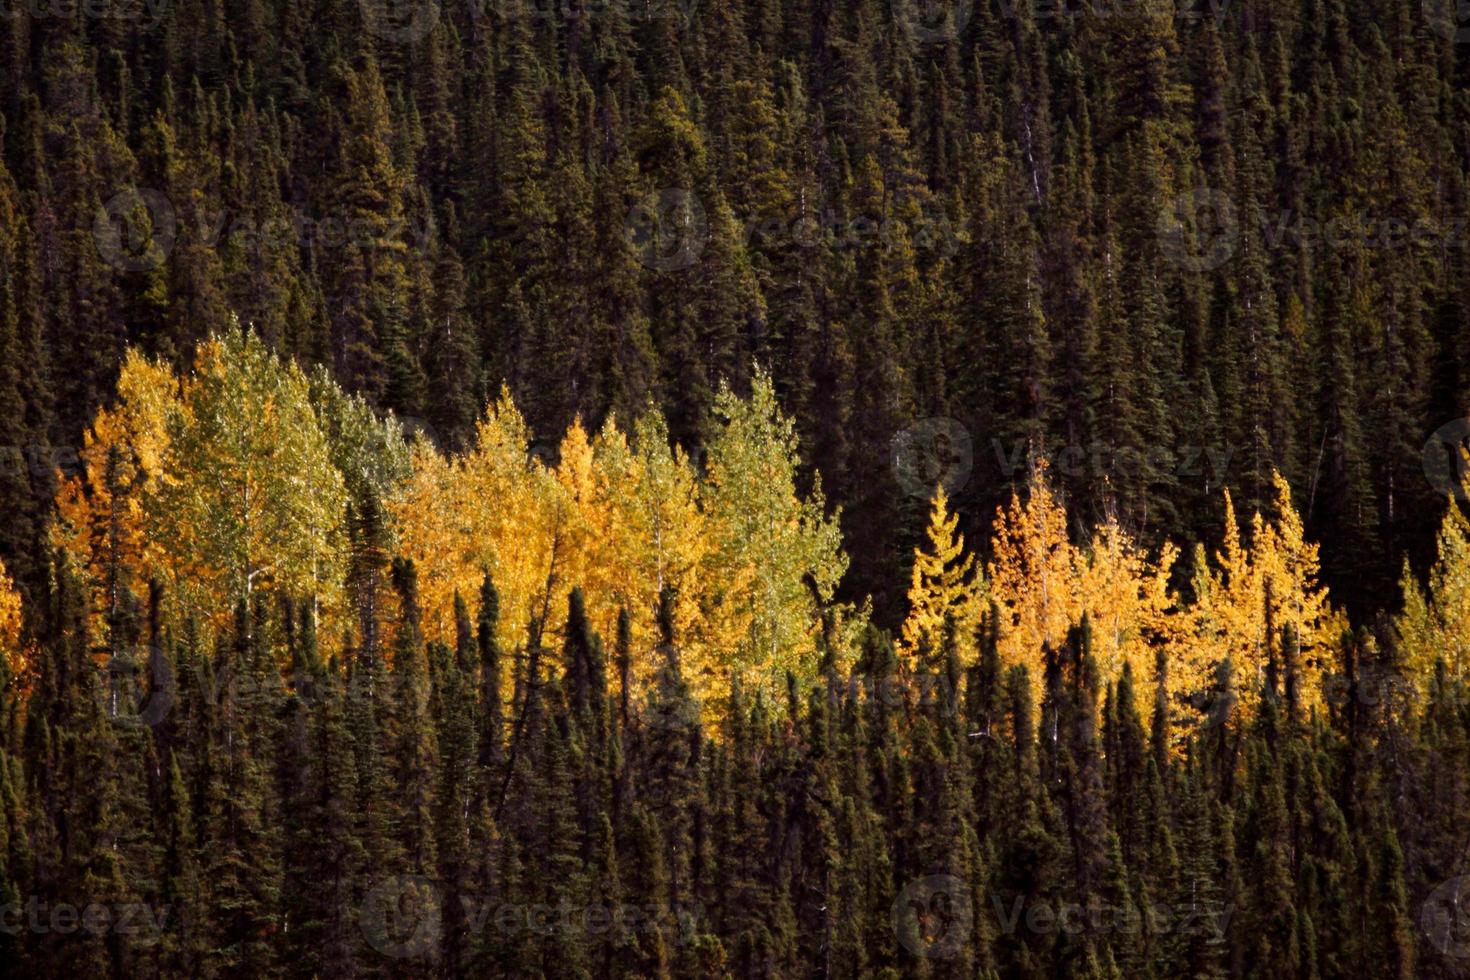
<point>754,489</point>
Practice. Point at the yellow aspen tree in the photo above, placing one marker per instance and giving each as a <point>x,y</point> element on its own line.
<point>1126,596</point>
<point>1229,611</point>
<point>772,548</point>
<point>16,662</point>
<point>1033,575</point>
<point>608,578</point>
<point>942,585</point>
<point>218,483</point>
<point>121,459</point>
<point>587,515</point>
<point>1272,579</point>
<point>247,496</point>
<point>493,509</point>
<point>659,537</point>
<point>1289,566</point>
<point>1437,625</point>
<point>438,527</point>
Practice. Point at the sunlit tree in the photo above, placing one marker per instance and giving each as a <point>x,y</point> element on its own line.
<point>10,627</point>
<point>943,586</point>
<point>772,548</point>
<point>248,496</point>
<point>1436,625</point>
<point>1033,575</point>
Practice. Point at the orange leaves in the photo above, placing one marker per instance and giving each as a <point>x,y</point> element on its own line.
<point>1126,596</point>
<point>216,484</point>
<point>10,626</point>
<point>1034,575</point>
<point>624,521</point>
<point>100,511</point>
<point>492,509</point>
<point>619,520</point>
<point>1255,589</point>
<point>1043,584</point>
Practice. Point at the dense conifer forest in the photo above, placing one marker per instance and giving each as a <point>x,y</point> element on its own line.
<point>735,488</point>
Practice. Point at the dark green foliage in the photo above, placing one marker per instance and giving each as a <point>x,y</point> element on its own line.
<point>899,226</point>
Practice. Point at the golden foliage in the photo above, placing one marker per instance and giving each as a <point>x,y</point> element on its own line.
<point>1042,585</point>
<point>16,662</point>
<point>215,485</point>
<point>492,509</point>
<point>228,480</point>
<point>1034,575</point>
<point>943,587</point>
<point>625,521</point>
<point>1126,596</point>
<point>771,549</point>
<point>100,510</point>
<point>1436,626</point>
<point>1258,588</point>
